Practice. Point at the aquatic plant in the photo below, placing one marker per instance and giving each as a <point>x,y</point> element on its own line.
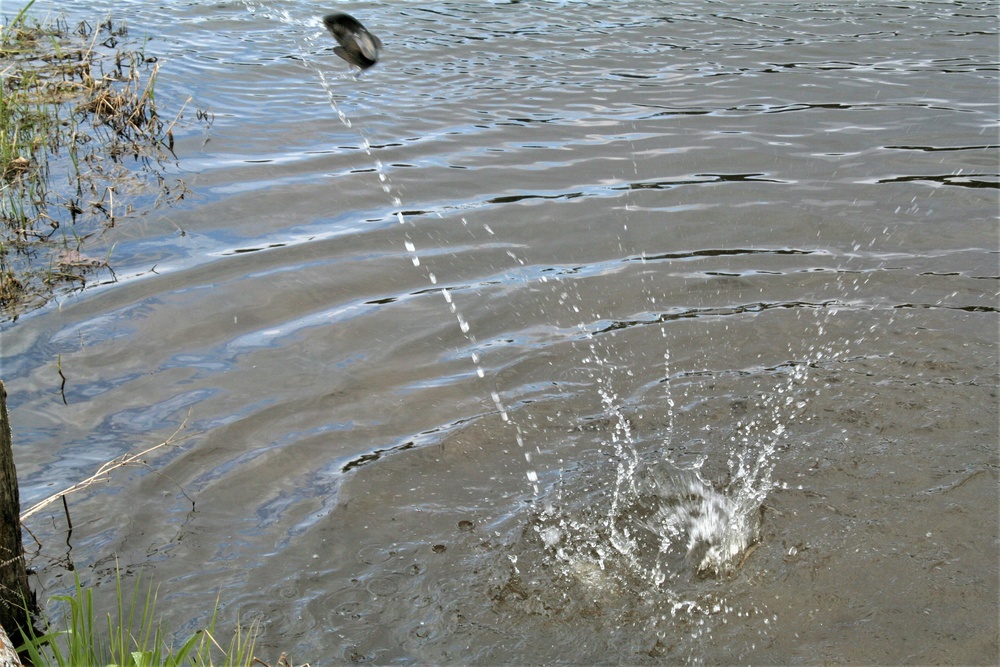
<point>135,637</point>
<point>81,142</point>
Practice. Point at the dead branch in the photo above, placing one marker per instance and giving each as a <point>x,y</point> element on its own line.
<point>104,472</point>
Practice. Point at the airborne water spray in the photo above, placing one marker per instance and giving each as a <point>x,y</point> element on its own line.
<point>358,46</point>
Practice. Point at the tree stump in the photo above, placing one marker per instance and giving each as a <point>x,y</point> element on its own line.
<point>8,656</point>
<point>16,599</point>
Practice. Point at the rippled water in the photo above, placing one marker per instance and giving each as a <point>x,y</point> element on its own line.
<point>619,332</point>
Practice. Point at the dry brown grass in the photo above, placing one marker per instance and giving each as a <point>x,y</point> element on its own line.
<point>82,147</point>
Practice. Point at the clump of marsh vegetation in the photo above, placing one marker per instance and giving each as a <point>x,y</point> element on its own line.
<point>71,632</point>
<point>132,635</point>
<point>82,147</point>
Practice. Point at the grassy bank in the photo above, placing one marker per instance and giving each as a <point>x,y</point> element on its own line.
<point>82,148</point>
<point>131,637</point>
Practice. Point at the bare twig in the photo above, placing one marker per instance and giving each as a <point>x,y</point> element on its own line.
<point>104,472</point>
<point>38,542</point>
<point>170,127</point>
<point>69,521</point>
<point>62,387</point>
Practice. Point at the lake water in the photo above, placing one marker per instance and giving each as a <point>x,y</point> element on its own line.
<point>619,332</point>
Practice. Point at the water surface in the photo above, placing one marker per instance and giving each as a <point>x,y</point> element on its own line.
<point>434,330</point>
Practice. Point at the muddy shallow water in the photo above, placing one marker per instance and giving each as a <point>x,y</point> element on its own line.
<point>435,332</point>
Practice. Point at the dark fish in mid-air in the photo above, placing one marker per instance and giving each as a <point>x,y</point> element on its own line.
<point>357,45</point>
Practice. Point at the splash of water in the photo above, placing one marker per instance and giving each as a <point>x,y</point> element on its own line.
<point>667,522</point>
<point>664,517</point>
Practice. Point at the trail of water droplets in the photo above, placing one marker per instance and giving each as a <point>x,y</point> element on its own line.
<point>408,243</point>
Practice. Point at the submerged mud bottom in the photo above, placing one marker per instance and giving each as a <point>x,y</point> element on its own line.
<point>596,569</point>
<point>647,565</point>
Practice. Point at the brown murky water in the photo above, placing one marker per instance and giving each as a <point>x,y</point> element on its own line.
<point>436,329</point>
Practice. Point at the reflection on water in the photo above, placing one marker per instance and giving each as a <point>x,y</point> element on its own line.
<point>569,332</point>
